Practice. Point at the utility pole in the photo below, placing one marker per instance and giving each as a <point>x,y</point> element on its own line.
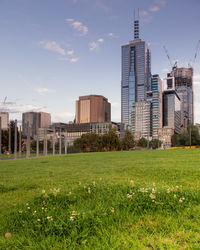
<point>20,141</point>
<point>9,139</point>
<point>66,144</point>
<point>45,140</point>
<point>60,143</point>
<point>53,141</point>
<point>15,142</point>
<point>0,139</point>
<point>37,146</point>
<point>28,142</point>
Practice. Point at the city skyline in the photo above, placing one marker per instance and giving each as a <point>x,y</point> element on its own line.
<point>66,50</point>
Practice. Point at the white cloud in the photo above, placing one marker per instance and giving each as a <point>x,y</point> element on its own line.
<point>55,47</point>
<point>52,46</point>
<point>73,60</point>
<point>70,52</point>
<point>78,26</point>
<point>100,40</point>
<point>43,91</point>
<point>93,46</point>
<point>62,117</point>
<point>111,35</point>
<point>154,9</point>
<point>196,79</point>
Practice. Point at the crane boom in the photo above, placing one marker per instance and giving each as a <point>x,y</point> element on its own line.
<point>196,53</point>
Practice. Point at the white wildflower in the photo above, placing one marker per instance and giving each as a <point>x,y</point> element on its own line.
<point>43,191</point>
<point>112,210</point>
<point>132,183</point>
<point>89,191</point>
<point>71,218</point>
<point>152,196</point>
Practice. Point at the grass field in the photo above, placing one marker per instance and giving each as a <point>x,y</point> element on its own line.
<point>118,200</point>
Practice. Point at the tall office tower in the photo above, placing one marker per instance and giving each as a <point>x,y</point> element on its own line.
<point>156,105</point>
<point>141,119</point>
<point>136,74</point>
<point>172,110</point>
<point>36,120</point>
<point>4,120</point>
<point>93,108</point>
<point>184,87</point>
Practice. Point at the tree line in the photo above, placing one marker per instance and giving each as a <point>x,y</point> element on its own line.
<point>91,142</point>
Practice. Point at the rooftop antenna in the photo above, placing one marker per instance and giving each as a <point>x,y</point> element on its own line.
<point>136,26</point>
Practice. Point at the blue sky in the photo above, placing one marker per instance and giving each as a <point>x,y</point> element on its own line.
<point>53,51</point>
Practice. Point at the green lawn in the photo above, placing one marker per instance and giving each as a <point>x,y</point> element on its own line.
<point>118,200</point>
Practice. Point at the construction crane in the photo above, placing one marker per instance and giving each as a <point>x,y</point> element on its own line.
<point>3,104</point>
<point>196,53</point>
<point>173,65</point>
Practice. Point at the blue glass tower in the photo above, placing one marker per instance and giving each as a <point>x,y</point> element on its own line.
<point>136,74</point>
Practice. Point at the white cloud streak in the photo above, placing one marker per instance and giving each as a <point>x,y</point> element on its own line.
<point>78,26</point>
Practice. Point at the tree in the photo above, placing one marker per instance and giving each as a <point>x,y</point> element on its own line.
<point>128,140</point>
<point>155,143</point>
<point>142,142</point>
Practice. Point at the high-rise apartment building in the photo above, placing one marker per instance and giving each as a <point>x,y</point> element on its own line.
<point>172,110</point>
<point>156,105</point>
<point>93,108</point>
<point>141,119</point>
<point>136,74</point>
<point>35,120</point>
<point>4,120</point>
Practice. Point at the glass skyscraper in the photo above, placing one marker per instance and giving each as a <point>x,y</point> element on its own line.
<point>136,74</point>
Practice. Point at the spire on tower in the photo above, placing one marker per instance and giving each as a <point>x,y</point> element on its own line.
<point>136,26</point>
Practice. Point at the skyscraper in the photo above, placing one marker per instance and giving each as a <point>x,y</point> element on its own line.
<point>93,108</point>
<point>136,74</point>
<point>141,120</point>
<point>36,120</point>
<point>172,110</point>
<point>156,105</point>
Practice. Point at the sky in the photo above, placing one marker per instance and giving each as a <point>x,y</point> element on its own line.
<point>53,51</point>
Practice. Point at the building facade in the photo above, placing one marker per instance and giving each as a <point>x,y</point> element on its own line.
<point>93,108</point>
<point>34,120</point>
<point>156,105</point>
<point>135,75</point>
<point>4,120</point>
<point>141,120</point>
<point>172,110</point>
<point>184,87</point>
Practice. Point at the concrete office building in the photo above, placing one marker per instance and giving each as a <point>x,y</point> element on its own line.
<point>141,120</point>
<point>93,108</point>
<point>73,131</point>
<point>172,110</point>
<point>4,120</point>
<point>135,75</point>
<point>184,87</point>
<point>156,105</point>
<point>36,120</point>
